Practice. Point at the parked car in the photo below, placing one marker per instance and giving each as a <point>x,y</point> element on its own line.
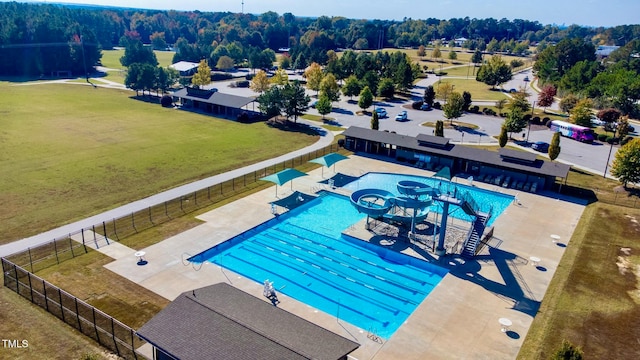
<point>314,103</point>
<point>596,122</point>
<point>425,107</point>
<point>526,78</point>
<point>540,146</point>
<point>402,116</point>
<point>382,113</point>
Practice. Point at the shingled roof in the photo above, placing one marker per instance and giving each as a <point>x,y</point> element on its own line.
<point>213,97</point>
<point>505,158</point>
<point>222,322</point>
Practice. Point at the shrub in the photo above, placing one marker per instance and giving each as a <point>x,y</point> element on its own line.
<point>536,120</point>
<point>220,76</point>
<point>626,140</point>
<point>488,111</point>
<point>242,83</point>
<point>243,117</point>
<point>527,117</point>
<point>166,101</point>
<point>610,139</point>
<point>546,121</point>
<point>437,105</point>
<point>602,137</point>
<point>249,76</point>
<point>416,105</point>
<point>341,142</point>
<point>475,109</point>
<point>504,115</point>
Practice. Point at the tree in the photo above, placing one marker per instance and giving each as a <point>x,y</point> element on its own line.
<point>546,97</point>
<point>421,51</point>
<point>202,77</point>
<point>503,138</point>
<point>515,121</point>
<point>466,96</point>
<point>324,105</point>
<point>500,104</point>
<point>626,164</point>
<point>520,101</point>
<point>439,131</point>
<point>568,103</point>
<point>567,352</point>
<point>285,62</point>
<point>453,55</point>
<point>166,78</point>
<point>375,122</point>
<point>314,76</point>
<point>581,113</point>
<point>429,95</point>
<point>351,86</point>
<point>554,148</point>
<point>436,53</point>
<point>609,115</point>
<point>294,100</point>
<point>136,52</point>
<point>270,101</point>
<point>366,98</point>
<point>443,90</point>
<point>453,108</point>
<point>495,72</point>
<point>329,87</point>
<point>386,89</point>
<point>622,129</point>
<point>225,63</point>
<point>280,77</point>
<point>260,82</point>
<point>476,58</point>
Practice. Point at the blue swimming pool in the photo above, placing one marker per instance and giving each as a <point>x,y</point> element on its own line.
<point>486,200</point>
<point>305,256</point>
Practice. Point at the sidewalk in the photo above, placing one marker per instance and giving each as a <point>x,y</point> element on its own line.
<point>19,245</point>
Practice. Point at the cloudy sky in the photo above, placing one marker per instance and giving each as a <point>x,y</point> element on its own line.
<point>581,12</point>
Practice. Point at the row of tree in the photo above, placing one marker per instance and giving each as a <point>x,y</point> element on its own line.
<point>39,38</point>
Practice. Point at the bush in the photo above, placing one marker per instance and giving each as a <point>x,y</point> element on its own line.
<point>220,76</point>
<point>504,115</point>
<point>242,83</point>
<point>527,117</point>
<point>416,105</point>
<point>546,121</point>
<point>610,140</point>
<point>602,137</point>
<point>626,140</point>
<point>249,76</point>
<point>341,143</point>
<point>437,105</point>
<point>536,120</point>
<point>243,117</point>
<point>475,109</point>
<point>488,111</point>
<point>166,101</point>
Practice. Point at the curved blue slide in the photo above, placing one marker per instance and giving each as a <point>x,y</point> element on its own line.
<point>373,202</point>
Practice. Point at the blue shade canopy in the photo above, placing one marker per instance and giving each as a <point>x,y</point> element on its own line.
<point>444,173</point>
<point>284,176</point>
<point>329,159</point>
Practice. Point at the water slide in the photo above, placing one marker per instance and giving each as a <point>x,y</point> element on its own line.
<point>378,203</point>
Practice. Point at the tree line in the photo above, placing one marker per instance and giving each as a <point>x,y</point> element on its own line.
<point>37,39</point>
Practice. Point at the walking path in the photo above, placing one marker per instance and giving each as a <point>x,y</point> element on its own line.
<point>63,231</point>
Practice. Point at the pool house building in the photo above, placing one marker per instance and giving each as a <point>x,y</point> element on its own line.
<point>508,168</point>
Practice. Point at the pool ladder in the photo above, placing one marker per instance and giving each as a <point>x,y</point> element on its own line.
<point>373,335</point>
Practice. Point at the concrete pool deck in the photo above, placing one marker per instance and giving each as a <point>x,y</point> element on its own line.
<point>458,320</point>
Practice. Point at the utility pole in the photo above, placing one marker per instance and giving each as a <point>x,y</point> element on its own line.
<point>533,106</point>
<point>242,12</point>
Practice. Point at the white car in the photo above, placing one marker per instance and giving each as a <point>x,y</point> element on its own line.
<point>402,116</point>
<point>382,113</point>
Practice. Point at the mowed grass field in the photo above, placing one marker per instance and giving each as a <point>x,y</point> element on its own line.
<point>478,90</point>
<point>70,151</point>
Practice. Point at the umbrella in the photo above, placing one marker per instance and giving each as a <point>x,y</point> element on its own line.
<point>283,176</point>
<point>328,160</point>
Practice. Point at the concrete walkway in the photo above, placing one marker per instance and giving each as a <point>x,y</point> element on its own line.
<point>63,231</point>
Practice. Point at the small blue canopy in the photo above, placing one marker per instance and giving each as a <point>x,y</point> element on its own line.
<point>329,159</point>
<point>283,176</point>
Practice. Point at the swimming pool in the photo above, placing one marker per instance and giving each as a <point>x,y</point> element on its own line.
<point>486,200</point>
<point>305,256</point>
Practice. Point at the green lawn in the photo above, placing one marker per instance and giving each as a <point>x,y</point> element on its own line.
<point>77,151</point>
<point>111,58</point>
<point>478,90</point>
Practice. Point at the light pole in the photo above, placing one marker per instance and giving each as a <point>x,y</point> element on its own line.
<point>607,164</point>
<point>529,128</point>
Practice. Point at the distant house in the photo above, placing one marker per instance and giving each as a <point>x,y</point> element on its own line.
<point>213,101</point>
<point>604,51</point>
<point>185,68</point>
<point>223,322</point>
<point>460,41</point>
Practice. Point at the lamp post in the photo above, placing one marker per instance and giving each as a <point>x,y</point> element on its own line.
<point>529,128</point>
<point>608,158</point>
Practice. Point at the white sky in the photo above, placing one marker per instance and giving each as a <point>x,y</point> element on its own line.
<point>581,12</point>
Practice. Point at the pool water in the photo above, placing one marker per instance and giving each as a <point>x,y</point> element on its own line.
<point>486,200</point>
<point>305,256</point>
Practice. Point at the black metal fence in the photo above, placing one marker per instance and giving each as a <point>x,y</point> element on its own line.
<point>74,244</point>
<point>104,329</point>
